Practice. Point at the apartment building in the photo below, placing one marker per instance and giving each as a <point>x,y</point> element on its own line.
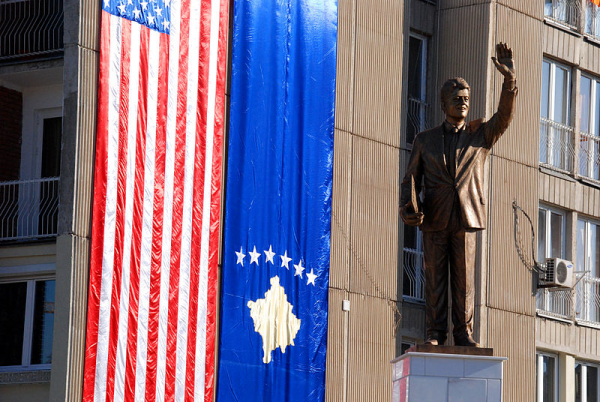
<point>393,56</point>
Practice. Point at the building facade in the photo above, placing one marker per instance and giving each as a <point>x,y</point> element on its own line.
<point>393,56</point>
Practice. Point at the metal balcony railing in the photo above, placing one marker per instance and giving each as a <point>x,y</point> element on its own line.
<point>417,118</point>
<point>30,29</point>
<point>589,156</point>
<point>556,145</point>
<point>28,209</point>
<point>566,12</point>
<point>558,303</point>
<point>414,280</point>
<point>592,19</point>
<point>588,300</point>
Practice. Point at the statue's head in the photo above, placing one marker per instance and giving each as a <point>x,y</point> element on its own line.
<point>455,96</point>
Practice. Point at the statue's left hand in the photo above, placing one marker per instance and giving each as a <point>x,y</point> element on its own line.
<point>504,61</point>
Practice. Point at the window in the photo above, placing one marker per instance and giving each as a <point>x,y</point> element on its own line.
<point>556,133</point>
<point>588,259</point>
<point>26,324</point>
<point>564,11</point>
<point>551,243</point>
<point>417,90</point>
<point>592,18</point>
<point>547,377</point>
<point>589,141</point>
<point>586,382</point>
<point>413,285</point>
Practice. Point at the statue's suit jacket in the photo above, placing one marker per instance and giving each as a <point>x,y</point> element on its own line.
<point>427,165</point>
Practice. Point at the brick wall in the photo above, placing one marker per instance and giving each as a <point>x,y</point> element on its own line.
<point>11,115</point>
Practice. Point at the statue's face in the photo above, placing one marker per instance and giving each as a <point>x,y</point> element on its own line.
<point>457,104</point>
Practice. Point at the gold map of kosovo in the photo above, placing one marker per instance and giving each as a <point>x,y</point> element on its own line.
<point>274,320</point>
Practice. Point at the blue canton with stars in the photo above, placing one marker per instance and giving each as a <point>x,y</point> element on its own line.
<point>154,14</point>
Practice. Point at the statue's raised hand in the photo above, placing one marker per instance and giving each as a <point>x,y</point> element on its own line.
<point>504,61</point>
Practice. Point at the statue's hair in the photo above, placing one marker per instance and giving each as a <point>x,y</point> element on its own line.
<point>452,84</point>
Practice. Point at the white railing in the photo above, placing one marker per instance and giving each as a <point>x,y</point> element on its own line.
<point>417,118</point>
<point>556,303</point>
<point>28,209</point>
<point>414,280</point>
<point>556,145</point>
<point>588,300</point>
<point>592,19</point>
<point>30,29</point>
<point>565,11</point>
<point>589,156</point>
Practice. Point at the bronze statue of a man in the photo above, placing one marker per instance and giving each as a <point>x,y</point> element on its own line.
<point>448,161</point>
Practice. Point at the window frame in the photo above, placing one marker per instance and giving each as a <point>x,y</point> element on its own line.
<point>584,366</point>
<point>548,234</point>
<point>592,116</point>
<point>540,375</point>
<point>423,74</point>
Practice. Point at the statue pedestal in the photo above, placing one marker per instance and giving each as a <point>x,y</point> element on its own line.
<point>447,374</point>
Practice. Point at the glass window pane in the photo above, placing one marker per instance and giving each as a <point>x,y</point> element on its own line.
<point>545,89</point>
<point>556,235</point>
<point>542,235</point>
<point>580,262</point>
<point>548,379</point>
<point>43,323</point>
<point>561,94</point>
<point>548,8</point>
<point>595,250</point>
<point>578,382</point>
<point>13,297</point>
<point>585,103</point>
<point>592,384</point>
<point>596,126</point>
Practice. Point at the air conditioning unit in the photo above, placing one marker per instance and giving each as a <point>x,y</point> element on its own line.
<point>559,273</point>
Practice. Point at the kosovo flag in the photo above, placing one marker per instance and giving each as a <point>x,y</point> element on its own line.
<point>273,328</point>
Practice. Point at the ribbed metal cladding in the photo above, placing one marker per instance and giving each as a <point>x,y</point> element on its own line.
<point>337,348</point>
<point>344,94</point>
<point>89,23</point>
<point>510,335</point>
<point>569,195</point>
<point>374,218</point>
<point>340,218</point>
<point>446,4</point>
<point>378,70</point>
<point>560,44</point>
<point>530,8</point>
<point>509,282</point>
<point>558,334</point>
<point>590,58</point>
<point>464,52</point>
<point>371,347</point>
<point>522,33</point>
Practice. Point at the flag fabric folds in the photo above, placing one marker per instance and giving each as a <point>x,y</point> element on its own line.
<point>154,254</point>
<point>273,324</point>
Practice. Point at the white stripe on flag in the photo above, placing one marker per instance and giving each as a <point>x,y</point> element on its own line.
<point>110,211</point>
<point>147,221</point>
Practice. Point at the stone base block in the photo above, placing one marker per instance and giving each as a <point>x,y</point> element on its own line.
<point>435,377</point>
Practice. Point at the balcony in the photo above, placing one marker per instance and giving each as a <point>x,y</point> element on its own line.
<point>416,118</point>
<point>564,12</point>
<point>592,19</point>
<point>414,280</point>
<point>556,145</point>
<point>29,210</point>
<point>556,304</point>
<point>30,30</point>
<point>588,301</point>
<point>589,156</point>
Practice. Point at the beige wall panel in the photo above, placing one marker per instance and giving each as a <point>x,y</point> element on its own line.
<point>579,341</point>
<point>371,347</point>
<point>27,254</point>
<point>590,58</point>
<point>78,141</point>
<point>337,348</point>
<point>374,219</point>
<point>466,54</point>
<point>522,34</point>
<point>378,70</point>
<point>528,7</point>
<point>560,45</point>
<point>82,23</point>
<point>510,335</point>
<point>344,89</point>
<point>509,282</point>
<point>339,270</point>
<point>24,392</point>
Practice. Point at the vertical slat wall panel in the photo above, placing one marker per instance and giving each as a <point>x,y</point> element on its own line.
<point>520,142</point>
<point>560,44</point>
<point>530,8</point>
<point>378,70</point>
<point>340,218</point>
<point>590,58</point>
<point>509,282</point>
<point>344,90</point>
<point>569,195</point>
<point>371,347</point>
<point>374,218</point>
<point>337,348</point>
<point>511,335</point>
<point>464,51</point>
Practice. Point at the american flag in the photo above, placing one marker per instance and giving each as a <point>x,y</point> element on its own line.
<point>153,276</point>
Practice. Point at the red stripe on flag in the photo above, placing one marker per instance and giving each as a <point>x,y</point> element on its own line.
<point>98,214</point>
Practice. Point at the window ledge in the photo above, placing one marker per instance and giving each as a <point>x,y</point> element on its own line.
<point>592,39</point>
<point>25,377</point>
<point>556,173</point>
<point>570,29</point>
<point>588,324</point>
<point>589,182</point>
<point>413,300</point>
<point>550,316</point>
